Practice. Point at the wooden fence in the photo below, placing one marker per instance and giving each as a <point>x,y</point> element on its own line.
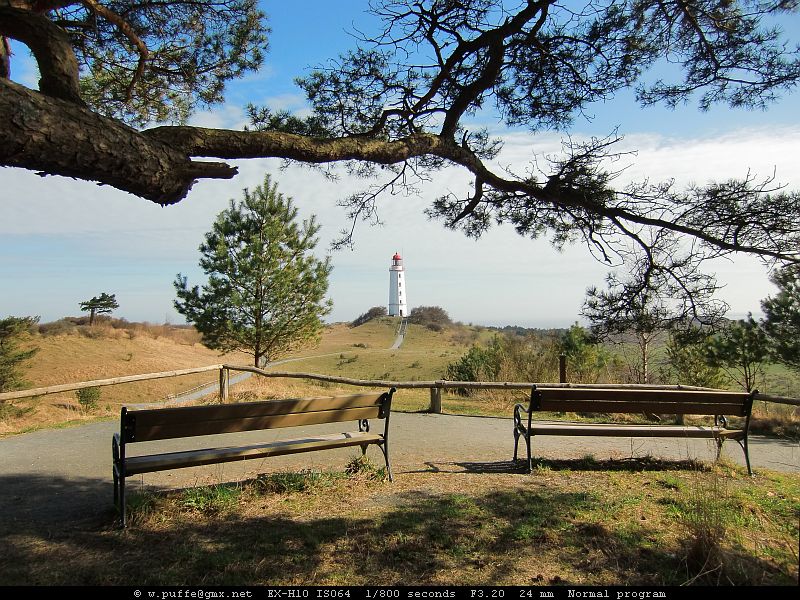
<point>435,387</point>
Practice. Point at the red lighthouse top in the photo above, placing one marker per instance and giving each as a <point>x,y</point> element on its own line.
<point>397,256</point>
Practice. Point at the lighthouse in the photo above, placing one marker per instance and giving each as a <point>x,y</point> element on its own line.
<point>398,306</point>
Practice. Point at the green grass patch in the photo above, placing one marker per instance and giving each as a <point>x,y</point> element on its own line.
<point>211,499</point>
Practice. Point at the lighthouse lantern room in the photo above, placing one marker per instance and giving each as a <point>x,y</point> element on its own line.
<point>398,306</point>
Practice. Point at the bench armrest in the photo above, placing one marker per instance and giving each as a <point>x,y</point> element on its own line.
<point>518,410</point>
<point>117,449</point>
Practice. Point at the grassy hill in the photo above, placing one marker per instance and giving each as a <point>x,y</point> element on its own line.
<point>365,352</point>
<point>116,348</point>
<point>104,351</point>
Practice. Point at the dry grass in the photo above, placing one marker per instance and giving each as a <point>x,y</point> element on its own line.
<point>107,352</point>
<point>114,348</point>
<point>570,522</point>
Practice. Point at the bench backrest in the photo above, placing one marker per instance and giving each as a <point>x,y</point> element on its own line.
<point>680,402</point>
<point>190,421</point>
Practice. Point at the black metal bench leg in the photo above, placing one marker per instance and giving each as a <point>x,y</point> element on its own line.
<point>116,486</point>
<point>122,502</point>
<point>385,451</point>
<point>516,442</point>
<point>530,458</point>
<point>746,449</point>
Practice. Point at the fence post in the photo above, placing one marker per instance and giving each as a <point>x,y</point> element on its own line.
<point>562,368</point>
<point>224,381</point>
<point>436,401</point>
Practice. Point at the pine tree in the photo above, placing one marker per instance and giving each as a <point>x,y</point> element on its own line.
<point>12,329</point>
<point>782,313</point>
<point>742,350</point>
<point>102,304</point>
<point>266,291</point>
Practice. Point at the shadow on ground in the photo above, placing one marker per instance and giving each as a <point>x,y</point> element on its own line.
<point>49,499</point>
<point>633,465</point>
<point>531,534</point>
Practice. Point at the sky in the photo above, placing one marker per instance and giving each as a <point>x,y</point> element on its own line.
<point>63,241</point>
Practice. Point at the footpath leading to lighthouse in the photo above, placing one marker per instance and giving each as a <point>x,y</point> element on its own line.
<point>401,334</point>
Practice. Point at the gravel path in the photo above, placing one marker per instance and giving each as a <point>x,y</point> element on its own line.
<point>64,475</point>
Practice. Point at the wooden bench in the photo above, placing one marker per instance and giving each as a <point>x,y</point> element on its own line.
<point>189,422</point>
<point>635,401</point>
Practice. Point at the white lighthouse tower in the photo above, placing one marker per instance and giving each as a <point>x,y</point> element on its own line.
<point>398,306</point>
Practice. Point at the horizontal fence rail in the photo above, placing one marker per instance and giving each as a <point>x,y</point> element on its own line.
<point>69,387</point>
<point>435,386</point>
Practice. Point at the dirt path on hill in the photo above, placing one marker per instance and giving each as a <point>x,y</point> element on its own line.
<point>63,476</point>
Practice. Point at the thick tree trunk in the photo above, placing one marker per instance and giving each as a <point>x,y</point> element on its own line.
<point>63,138</point>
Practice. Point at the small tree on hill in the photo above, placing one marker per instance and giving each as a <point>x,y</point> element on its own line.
<point>652,300</point>
<point>266,291</point>
<point>12,330</point>
<point>102,304</point>
<point>782,313</point>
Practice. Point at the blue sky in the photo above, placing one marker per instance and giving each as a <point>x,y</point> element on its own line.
<point>63,241</point>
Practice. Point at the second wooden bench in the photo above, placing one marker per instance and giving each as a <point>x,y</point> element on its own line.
<point>719,404</point>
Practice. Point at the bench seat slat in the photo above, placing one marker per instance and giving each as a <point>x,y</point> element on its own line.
<point>167,431</point>
<point>601,429</point>
<point>642,406</point>
<point>175,460</point>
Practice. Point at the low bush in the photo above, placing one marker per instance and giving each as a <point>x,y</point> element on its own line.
<point>88,397</point>
<point>60,327</point>
<point>375,312</point>
<point>507,358</point>
<point>432,317</point>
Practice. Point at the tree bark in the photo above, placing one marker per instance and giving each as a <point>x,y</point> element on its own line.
<point>58,137</point>
<point>52,48</point>
<point>645,347</point>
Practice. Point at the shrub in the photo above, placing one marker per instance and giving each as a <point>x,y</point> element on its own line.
<point>432,317</point>
<point>688,360</point>
<point>587,361</point>
<point>88,397</point>
<point>507,358</point>
<point>477,364</point>
<point>60,327</point>
<point>375,312</point>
